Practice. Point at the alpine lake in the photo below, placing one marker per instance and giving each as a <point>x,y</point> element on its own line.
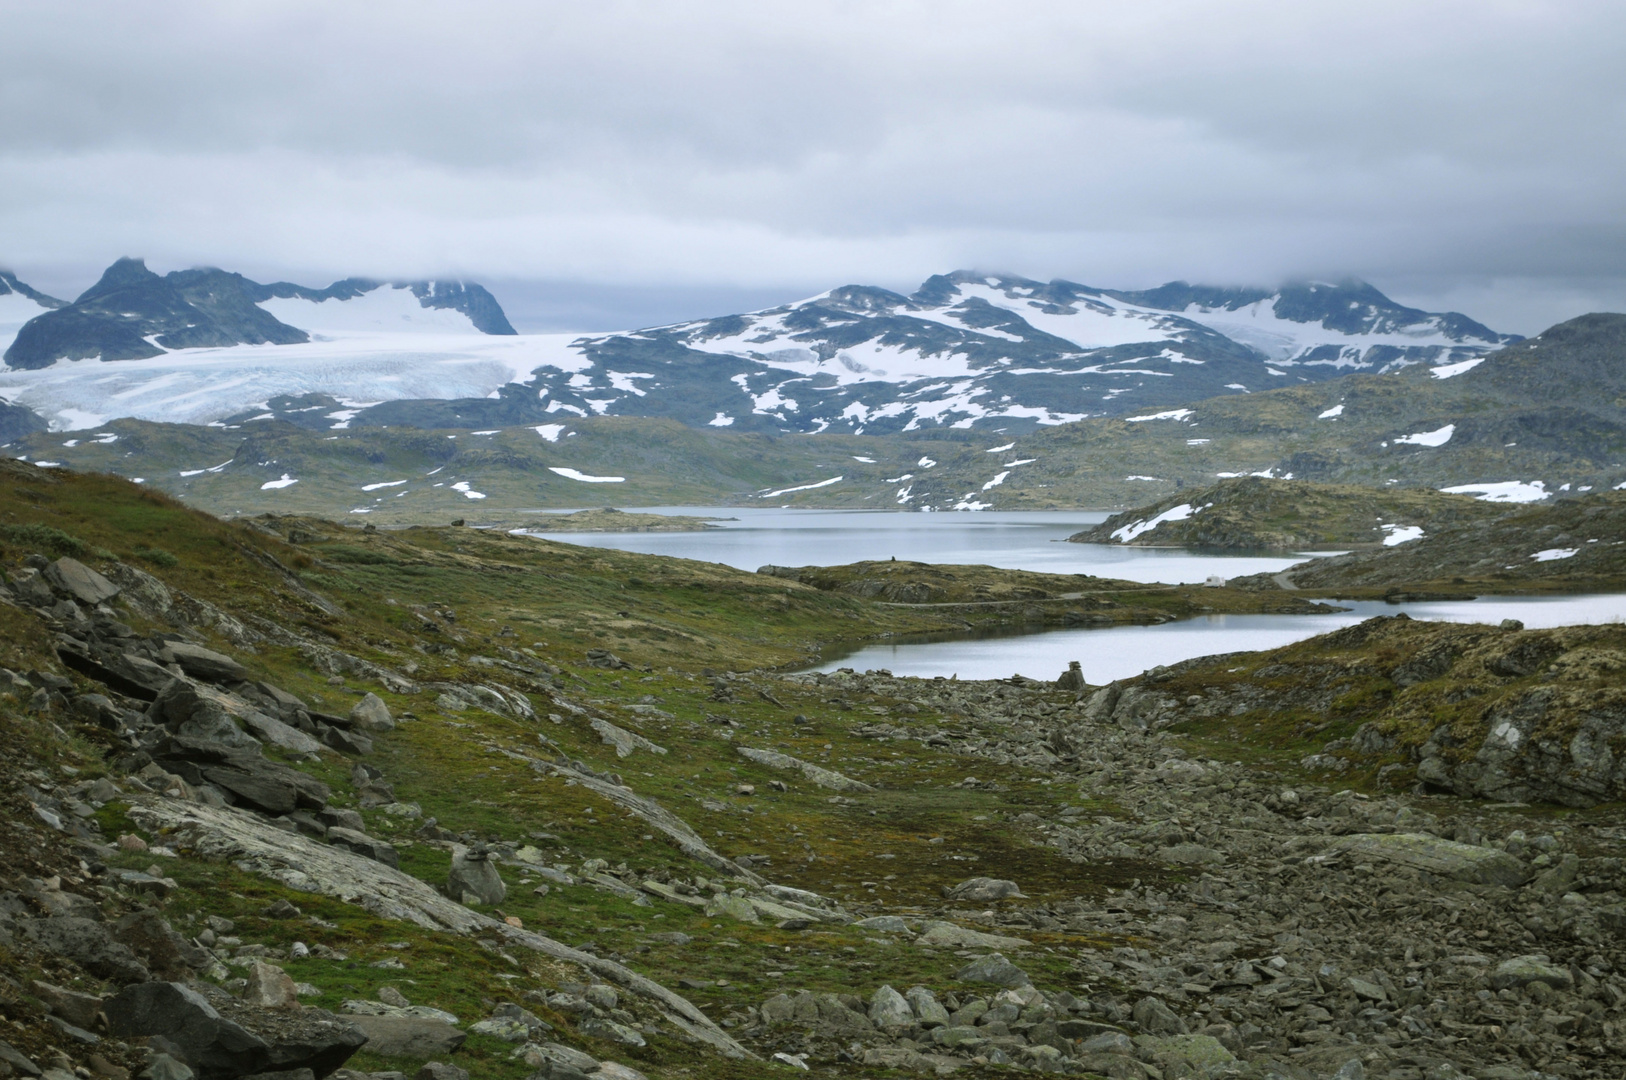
<point>748,538</point>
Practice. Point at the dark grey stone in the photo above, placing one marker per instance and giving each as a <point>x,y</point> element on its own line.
<point>88,944</point>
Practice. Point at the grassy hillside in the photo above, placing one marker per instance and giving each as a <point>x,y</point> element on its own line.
<point>1575,546</point>
<point>1254,513</point>
<point>582,716</point>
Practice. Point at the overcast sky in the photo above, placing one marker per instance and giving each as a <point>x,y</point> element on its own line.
<point>616,163</point>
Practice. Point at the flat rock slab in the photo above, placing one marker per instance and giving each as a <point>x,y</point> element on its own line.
<point>251,845</point>
<point>203,663</point>
<point>1192,855</point>
<point>624,741</point>
<point>946,935</point>
<point>980,889</point>
<point>1524,970</point>
<point>1443,858</point>
<point>408,1036</point>
<point>281,735</point>
<point>1196,1051</point>
<point>80,581</point>
<point>824,778</point>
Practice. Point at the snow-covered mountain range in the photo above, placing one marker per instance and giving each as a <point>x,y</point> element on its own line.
<point>964,350</point>
<point>968,349</point>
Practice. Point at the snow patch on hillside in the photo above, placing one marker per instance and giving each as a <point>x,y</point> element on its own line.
<point>572,474</point>
<point>1437,437</point>
<point>1286,341</point>
<point>804,487</point>
<point>1508,491</point>
<point>1400,534</point>
<point>1446,371</point>
<point>1137,528</point>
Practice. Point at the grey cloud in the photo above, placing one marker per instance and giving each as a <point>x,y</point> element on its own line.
<point>792,146</point>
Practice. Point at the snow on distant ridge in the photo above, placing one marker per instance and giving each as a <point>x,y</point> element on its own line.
<point>387,308</point>
<point>998,353</point>
<point>197,386</point>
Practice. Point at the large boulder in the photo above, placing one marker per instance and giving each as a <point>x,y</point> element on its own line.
<point>269,987</point>
<point>184,709</point>
<point>980,889</point>
<point>79,1009</point>
<point>1156,1018</point>
<point>473,878</point>
<point>281,735</point>
<point>80,582</point>
<point>890,1009</point>
<point>177,1020</point>
<point>371,714</point>
<point>1442,858</point>
<point>994,970</point>
<point>929,1012</point>
<point>226,1039</point>
<point>407,1036</point>
<point>245,775</point>
<point>205,664</point>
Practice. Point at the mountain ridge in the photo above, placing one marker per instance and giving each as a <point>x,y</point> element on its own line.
<point>977,350</point>
<point>1468,428</point>
<point>132,313</point>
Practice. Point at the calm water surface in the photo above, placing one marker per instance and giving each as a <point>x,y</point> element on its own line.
<point>1032,540</point>
<point>1122,651</point>
<point>1013,540</point>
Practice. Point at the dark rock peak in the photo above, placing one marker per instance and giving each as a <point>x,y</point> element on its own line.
<point>864,300</point>
<point>125,273</point>
<point>468,297</point>
<point>9,284</point>
<point>1180,295</point>
<point>132,313</point>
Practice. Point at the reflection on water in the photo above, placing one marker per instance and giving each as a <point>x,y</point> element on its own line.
<point>1122,651</point>
<point>1013,540</point>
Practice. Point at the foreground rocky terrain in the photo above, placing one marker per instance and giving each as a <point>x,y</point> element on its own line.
<point>276,812</point>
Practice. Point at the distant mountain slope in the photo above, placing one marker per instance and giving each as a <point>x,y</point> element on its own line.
<point>134,314</point>
<point>964,351</point>
<point>972,350</point>
<point>19,303</point>
<point>1252,512</point>
<point>1467,426</point>
<point>1376,332</point>
<point>1575,545</point>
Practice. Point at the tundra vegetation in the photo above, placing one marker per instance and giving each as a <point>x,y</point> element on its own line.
<point>285,797</point>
